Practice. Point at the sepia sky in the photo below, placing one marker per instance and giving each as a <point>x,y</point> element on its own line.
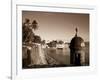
<point>59,26</point>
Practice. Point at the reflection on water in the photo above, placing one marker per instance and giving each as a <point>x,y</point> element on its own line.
<point>61,55</point>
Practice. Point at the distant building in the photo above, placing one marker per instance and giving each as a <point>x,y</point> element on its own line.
<point>77,54</point>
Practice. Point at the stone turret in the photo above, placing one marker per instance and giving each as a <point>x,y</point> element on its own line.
<point>77,54</point>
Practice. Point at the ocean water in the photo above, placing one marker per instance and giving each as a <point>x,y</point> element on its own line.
<point>63,55</point>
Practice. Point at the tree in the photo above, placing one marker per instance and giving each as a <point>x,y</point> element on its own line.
<point>34,25</point>
<point>60,42</point>
<point>43,42</point>
<point>37,39</point>
<point>25,29</point>
<point>27,34</point>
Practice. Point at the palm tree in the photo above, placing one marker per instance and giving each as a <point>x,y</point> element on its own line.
<point>34,25</point>
<point>25,29</point>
